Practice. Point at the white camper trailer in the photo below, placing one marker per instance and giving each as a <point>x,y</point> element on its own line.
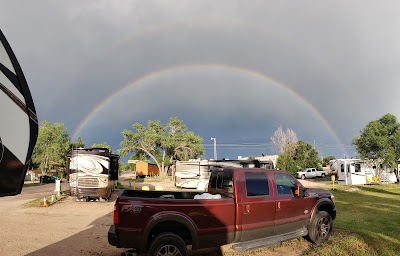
<point>196,173</point>
<point>352,171</point>
<point>356,172</point>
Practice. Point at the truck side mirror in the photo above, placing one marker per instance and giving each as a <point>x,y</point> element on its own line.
<point>299,191</point>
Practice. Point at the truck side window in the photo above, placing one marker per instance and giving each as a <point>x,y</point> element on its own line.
<point>284,183</point>
<point>256,184</point>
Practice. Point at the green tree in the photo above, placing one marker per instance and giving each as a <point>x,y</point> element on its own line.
<point>52,146</point>
<point>285,143</point>
<point>161,143</point>
<point>79,143</point>
<point>380,141</point>
<point>122,167</point>
<point>286,162</point>
<point>102,145</point>
<point>325,160</point>
<point>306,156</point>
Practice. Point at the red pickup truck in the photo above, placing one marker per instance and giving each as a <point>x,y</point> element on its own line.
<point>249,207</point>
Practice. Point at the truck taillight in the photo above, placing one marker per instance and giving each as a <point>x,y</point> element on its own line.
<point>116,215</point>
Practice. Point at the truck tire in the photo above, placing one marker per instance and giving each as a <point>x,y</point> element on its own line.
<point>323,175</point>
<point>303,177</point>
<point>320,227</point>
<point>168,244</point>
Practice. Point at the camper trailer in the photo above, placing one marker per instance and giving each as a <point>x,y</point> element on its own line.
<point>352,171</point>
<point>356,172</point>
<point>195,174</point>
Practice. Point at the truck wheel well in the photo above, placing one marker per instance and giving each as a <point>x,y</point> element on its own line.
<point>327,208</point>
<point>175,227</point>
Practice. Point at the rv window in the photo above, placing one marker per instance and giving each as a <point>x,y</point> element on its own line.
<point>357,167</point>
<point>342,167</point>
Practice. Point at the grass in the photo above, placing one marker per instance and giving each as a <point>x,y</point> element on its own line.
<point>31,184</point>
<point>373,214</point>
<point>367,223</point>
<point>39,201</point>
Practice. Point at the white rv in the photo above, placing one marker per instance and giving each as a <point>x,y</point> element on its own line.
<point>195,174</point>
<point>356,172</point>
<point>352,171</point>
<point>92,173</point>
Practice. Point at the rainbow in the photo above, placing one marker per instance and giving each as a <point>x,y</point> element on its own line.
<point>195,66</point>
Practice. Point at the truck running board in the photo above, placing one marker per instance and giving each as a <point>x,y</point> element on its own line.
<point>254,244</point>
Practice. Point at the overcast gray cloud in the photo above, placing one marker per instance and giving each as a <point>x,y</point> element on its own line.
<point>234,70</point>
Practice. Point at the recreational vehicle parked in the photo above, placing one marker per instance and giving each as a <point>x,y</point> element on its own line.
<point>92,173</point>
<point>352,171</point>
<point>355,171</point>
<point>195,174</point>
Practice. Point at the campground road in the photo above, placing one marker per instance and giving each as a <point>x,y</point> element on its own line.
<point>70,227</point>
<point>34,192</point>
<point>65,228</point>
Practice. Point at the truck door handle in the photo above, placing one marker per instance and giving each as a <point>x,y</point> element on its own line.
<point>278,205</point>
<point>247,208</point>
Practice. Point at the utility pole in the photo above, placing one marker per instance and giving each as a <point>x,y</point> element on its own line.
<point>215,148</point>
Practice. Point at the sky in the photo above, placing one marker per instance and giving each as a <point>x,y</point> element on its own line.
<point>231,70</point>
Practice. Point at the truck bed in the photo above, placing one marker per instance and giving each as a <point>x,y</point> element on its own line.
<point>212,221</point>
<point>165,194</point>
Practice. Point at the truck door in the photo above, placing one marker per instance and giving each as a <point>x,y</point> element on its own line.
<point>257,207</point>
<point>313,173</point>
<point>291,212</point>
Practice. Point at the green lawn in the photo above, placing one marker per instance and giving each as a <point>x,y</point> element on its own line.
<point>367,223</point>
<point>372,214</point>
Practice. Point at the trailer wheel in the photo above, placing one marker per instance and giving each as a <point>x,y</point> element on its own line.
<point>320,227</point>
<point>168,244</point>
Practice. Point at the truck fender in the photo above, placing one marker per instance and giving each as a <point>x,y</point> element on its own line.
<point>174,217</point>
<point>324,204</point>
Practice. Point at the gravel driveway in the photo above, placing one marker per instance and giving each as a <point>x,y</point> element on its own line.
<point>65,228</point>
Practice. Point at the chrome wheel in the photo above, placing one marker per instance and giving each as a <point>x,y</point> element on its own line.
<point>168,244</point>
<point>168,250</point>
<point>323,228</point>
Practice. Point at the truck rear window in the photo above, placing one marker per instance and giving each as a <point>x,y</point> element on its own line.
<point>221,180</point>
<point>256,184</point>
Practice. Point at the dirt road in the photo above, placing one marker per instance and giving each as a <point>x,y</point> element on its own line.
<point>69,227</point>
<point>66,228</point>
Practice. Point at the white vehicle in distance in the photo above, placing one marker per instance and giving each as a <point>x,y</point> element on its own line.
<point>310,173</point>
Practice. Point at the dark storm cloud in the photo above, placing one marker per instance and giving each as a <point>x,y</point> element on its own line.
<point>342,60</point>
